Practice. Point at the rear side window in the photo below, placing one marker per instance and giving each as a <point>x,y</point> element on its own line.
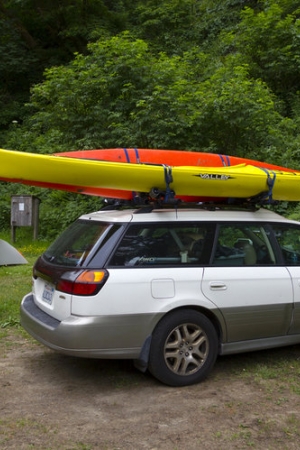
<point>148,245</point>
<point>288,238</point>
<point>77,243</point>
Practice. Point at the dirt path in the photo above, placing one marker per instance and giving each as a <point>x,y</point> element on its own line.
<point>49,401</point>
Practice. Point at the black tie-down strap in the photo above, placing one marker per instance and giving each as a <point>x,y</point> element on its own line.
<point>167,195</point>
<point>266,198</point>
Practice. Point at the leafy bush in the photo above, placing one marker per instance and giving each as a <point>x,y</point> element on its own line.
<point>59,209</point>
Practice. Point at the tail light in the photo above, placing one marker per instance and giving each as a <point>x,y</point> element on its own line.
<point>87,282</point>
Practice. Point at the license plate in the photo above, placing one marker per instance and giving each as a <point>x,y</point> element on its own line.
<point>48,293</point>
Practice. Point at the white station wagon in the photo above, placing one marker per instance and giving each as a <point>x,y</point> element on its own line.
<point>169,288</point>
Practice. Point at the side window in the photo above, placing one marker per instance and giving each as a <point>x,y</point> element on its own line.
<point>288,238</point>
<point>149,245</point>
<point>243,245</point>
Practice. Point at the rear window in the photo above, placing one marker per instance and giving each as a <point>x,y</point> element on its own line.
<point>77,243</point>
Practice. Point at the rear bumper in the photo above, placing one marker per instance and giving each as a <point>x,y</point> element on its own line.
<point>117,336</point>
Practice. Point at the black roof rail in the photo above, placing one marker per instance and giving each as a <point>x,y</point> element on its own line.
<point>142,208</point>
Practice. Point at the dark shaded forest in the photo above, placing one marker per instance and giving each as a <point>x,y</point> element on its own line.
<point>200,75</point>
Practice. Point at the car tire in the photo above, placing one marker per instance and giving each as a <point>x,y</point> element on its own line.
<point>184,348</point>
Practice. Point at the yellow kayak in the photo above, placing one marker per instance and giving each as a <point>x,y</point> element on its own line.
<point>106,178</point>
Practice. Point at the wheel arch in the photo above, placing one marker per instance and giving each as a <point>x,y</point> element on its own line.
<point>142,362</point>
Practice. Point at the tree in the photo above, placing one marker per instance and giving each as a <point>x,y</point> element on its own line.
<point>269,40</point>
<point>16,62</point>
<point>122,94</point>
<point>40,33</point>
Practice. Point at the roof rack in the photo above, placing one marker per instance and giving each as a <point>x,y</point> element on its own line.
<point>142,208</point>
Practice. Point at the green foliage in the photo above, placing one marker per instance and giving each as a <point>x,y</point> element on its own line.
<point>175,26</point>
<point>237,93</point>
<point>218,76</point>
<point>36,34</point>
<point>16,63</point>
<point>122,94</point>
<point>59,209</point>
<point>269,41</point>
<point>4,207</point>
<point>89,100</point>
<point>167,24</point>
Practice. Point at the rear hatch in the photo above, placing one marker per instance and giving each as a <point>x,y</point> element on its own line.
<point>73,264</point>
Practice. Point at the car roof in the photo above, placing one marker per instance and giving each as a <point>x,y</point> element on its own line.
<point>183,214</point>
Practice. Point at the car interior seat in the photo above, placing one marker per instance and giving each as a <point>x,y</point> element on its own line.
<point>246,246</point>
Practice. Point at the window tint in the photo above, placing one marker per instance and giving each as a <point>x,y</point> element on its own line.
<point>288,238</point>
<point>149,245</point>
<point>243,245</point>
<point>75,244</point>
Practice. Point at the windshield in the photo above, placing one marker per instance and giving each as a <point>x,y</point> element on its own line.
<point>76,243</point>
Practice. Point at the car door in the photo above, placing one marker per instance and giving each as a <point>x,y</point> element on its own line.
<point>158,266</point>
<point>244,281</point>
<point>288,239</point>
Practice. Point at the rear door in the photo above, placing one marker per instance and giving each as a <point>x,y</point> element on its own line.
<point>245,282</point>
<point>157,265</point>
<point>288,240</point>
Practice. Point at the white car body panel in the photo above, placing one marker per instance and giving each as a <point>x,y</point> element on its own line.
<point>144,291</point>
<point>60,306</point>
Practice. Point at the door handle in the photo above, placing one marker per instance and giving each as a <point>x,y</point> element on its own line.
<point>217,286</point>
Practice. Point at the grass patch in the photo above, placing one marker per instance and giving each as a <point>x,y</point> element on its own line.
<point>276,371</point>
<point>15,281</point>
